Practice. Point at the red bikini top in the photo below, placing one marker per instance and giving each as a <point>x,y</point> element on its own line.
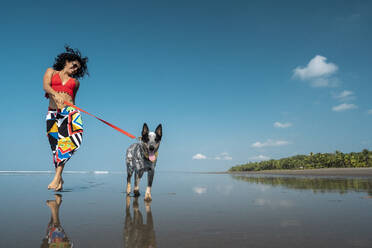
<point>57,85</point>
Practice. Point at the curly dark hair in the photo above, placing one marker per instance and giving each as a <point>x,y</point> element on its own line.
<point>71,55</point>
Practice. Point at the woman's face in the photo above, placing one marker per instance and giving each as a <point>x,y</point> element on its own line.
<point>72,67</point>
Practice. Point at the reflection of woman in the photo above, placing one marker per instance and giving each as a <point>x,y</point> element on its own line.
<point>64,124</point>
<point>136,233</point>
<point>55,236</point>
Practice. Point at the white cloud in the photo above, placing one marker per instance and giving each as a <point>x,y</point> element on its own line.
<point>369,112</point>
<point>282,125</point>
<point>317,67</point>
<point>345,95</point>
<point>325,82</point>
<point>223,156</point>
<point>344,106</point>
<point>199,156</point>
<point>260,158</point>
<point>270,143</point>
<point>200,190</point>
<point>318,72</point>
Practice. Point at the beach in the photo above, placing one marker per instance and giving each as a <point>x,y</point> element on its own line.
<point>187,210</point>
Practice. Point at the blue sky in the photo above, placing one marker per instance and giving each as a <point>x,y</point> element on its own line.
<point>231,81</point>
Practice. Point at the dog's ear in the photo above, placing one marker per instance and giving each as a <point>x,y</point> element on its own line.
<point>145,130</point>
<point>159,132</point>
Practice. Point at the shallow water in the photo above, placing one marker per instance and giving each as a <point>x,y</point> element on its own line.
<point>189,210</point>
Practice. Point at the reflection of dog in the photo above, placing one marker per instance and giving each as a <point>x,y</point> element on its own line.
<point>142,157</point>
<point>136,233</point>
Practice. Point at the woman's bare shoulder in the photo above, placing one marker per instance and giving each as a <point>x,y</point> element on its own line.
<point>50,71</point>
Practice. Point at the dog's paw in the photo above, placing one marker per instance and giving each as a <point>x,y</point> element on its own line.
<point>136,193</point>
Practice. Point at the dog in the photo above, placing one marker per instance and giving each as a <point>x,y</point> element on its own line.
<point>141,157</point>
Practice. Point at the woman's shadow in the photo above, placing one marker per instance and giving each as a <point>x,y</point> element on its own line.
<point>136,233</point>
<point>55,235</point>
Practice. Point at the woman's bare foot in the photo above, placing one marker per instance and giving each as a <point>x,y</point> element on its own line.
<point>59,187</point>
<point>53,185</point>
<point>56,183</point>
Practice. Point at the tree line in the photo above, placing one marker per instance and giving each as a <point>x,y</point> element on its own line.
<point>311,161</point>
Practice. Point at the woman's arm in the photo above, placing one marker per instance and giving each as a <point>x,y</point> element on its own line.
<point>47,85</point>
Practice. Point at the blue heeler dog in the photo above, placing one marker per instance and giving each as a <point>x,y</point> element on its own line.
<point>142,157</point>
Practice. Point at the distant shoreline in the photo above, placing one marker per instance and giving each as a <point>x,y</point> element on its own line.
<point>335,160</point>
<point>353,172</point>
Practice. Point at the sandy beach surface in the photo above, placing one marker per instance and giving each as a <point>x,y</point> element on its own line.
<point>342,172</point>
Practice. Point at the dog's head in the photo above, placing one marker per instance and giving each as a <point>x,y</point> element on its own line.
<point>151,141</point>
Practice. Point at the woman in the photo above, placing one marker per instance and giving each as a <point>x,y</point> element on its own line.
<point>64,124</point>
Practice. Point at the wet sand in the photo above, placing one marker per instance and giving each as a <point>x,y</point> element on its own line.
<point>188,210</point>
<point>342,172</point>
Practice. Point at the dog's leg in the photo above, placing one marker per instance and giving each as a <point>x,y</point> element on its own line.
<point>129,176</point>
<point>136,184</point>
<point>150,178</point>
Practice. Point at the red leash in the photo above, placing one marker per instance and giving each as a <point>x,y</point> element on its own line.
<point>107,123</point>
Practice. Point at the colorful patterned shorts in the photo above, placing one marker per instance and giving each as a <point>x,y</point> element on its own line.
<point>65,133</point>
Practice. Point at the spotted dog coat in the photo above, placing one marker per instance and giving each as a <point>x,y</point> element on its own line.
<point>136,160</point>
<point>141,157</point>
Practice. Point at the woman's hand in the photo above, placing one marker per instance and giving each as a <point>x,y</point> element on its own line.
<point>47,85</point>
